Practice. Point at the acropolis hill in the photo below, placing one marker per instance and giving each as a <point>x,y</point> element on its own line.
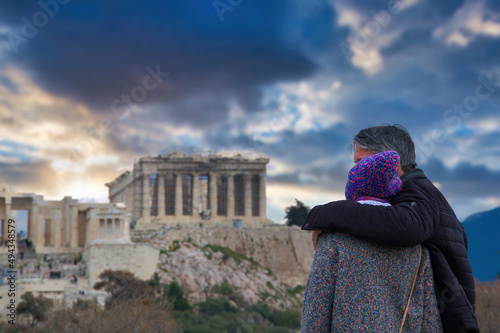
<point>164,200</point>
<point>166,190</point>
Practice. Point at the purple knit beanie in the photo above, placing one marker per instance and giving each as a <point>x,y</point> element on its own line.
<point>374,176</point>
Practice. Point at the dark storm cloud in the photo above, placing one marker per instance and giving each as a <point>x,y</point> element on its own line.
<point>463,180</point>
<point>298,148</point>
<point>284,178</point>
<point>293,147</point>
<point>134,144</point>
<point>331,177</point>
<point>96,51</point>
<point>422,76</point>
<point>493,4</point>
<point>304,153</point>
<point>34,176</point>
<point>418,94</point>
<point>442,8</point>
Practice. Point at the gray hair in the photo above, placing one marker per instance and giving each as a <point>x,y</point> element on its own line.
<point>388,137</point>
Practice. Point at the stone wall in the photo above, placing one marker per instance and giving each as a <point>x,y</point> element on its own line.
<point>139,259</point>
<point>74,293</point>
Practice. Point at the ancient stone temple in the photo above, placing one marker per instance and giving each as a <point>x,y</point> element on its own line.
<point>188,189</point>
<point>60,226</point>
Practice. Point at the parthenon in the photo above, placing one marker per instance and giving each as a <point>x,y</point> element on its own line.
<point>180,189</point>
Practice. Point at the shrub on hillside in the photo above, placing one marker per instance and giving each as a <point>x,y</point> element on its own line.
<point>213,306</point>
<point>488,306</point>
<point>36,306</point>
<point>124,286</point>
<point>224,289</point>
<point>125,316</point>
<point>175,295</point>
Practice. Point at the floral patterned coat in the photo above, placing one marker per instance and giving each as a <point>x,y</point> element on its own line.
<point>358,286</point>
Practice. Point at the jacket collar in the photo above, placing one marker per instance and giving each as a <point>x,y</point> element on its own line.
<point>412,174</point>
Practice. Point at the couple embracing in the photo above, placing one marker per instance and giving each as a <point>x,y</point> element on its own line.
<point>393,256</point>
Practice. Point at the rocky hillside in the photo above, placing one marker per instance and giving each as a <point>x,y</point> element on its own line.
<point>204,271</point>
<point>287,251</point>
<point>270,264</point>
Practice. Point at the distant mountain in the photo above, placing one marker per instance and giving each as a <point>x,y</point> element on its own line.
<point>483,232</point>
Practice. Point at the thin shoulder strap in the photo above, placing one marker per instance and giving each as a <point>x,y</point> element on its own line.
<point>411,290</point>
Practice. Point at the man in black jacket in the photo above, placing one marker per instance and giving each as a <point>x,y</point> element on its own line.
<point>419,214</point>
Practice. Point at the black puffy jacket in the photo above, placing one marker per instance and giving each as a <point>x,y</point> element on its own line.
<point>419,214</point>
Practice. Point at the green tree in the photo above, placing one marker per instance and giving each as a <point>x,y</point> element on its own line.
<point>224,289</point>
<point>124,285</point>
<point>36,306</point>
<point>214,306</point>
<point>296,215</point>
<point>154,282</point>
<point>175,294</point>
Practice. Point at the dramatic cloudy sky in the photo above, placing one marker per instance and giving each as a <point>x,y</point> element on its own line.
<point>88,86</point>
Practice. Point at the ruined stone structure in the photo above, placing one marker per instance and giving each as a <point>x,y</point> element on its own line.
<point>140,259</point>
<point>167,189</point>
<point>61,226</point>
<point>181,189</point>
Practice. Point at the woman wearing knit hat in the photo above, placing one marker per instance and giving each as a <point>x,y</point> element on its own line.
<point>374,179</point>
<point>358,286</point>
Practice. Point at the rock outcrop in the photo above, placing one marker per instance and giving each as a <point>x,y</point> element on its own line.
<point>286,251</point>
<point>260,264</point>
<point>200,270</point>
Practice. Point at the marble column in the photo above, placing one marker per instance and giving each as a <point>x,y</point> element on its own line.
<point>113,230</point>
<point>5,222</point>
<point>39,241</point>
<point>196,194</point>
<point>56,228</point>
<point>212,178</point>
<point>9,213</point>
<point>178,195</point>
<point>125,223</point>
<point>74,224</point>
<point>66,223</point>
<point>47,237</point>
<point>146,200</point>
<point>248,194</point>
<point>161,196</point>
<point>31,224</point>
<point>262,195</point>
<point>93,226</point>
<point>230,195</point>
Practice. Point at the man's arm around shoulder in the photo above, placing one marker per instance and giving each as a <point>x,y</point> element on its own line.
<point>411,221</point>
